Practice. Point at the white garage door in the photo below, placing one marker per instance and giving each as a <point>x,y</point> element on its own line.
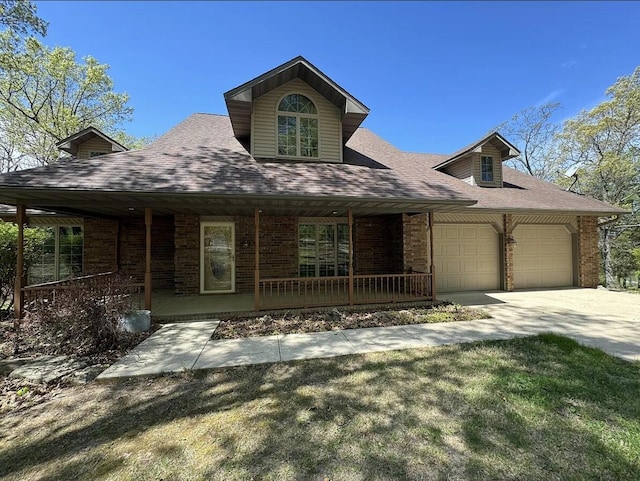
<point>542,256</point>
<point>466,257</point>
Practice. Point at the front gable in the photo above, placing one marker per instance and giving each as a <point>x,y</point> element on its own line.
<point>254,115</point>
<point>264,118</point>
<point>88,143</point>
<point>481,162</point>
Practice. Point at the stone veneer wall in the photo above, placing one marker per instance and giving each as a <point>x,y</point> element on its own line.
<point>588,252</point>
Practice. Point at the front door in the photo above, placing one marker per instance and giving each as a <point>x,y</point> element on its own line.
<point>217,257</point>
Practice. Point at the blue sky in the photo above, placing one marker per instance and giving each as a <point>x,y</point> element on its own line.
<point>436,75</point>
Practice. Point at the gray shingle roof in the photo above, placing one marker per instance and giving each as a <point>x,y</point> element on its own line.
<point>201,155</point>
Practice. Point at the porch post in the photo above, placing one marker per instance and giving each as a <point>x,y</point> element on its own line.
<point>350,220</point>
<point>432,267</point>
<point>116,260</point>
<point>148,217</point>
<point>256,272</point>
<point>18,298</point>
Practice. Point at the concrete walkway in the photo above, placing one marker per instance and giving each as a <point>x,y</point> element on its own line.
<point>599,318</point>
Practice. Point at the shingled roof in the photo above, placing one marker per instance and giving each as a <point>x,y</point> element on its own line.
<point>201,157</point>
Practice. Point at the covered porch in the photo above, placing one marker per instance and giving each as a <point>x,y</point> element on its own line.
<point>386,256</point>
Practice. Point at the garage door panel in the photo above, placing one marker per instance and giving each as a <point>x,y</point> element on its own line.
<point>542,257</point>
<point>469,250</point>
<point>467,257</point>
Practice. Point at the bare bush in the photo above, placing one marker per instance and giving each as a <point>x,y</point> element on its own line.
<point>80,318</point>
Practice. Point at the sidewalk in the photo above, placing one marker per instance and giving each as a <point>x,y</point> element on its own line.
<point>594,317</point>
<point>185,346</point>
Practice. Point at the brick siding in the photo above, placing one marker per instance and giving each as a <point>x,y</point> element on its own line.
<point>99,245</point>
<point>415,248</point>
<point>588,252</point>
<point>507,252</point>
<point>378,245</point>
<point>186,240</point>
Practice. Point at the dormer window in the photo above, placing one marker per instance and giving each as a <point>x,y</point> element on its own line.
<point>486,165</point>
<point>297,127</point>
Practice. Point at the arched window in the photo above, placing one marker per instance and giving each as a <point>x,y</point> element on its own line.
<point>297,127</point>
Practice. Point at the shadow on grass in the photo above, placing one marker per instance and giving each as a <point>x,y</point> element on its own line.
<point>531,408</point>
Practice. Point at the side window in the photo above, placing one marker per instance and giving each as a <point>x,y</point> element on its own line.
<point>60,257</point>
<point>96,154</point>
<point>486,167</point>
<point>297,127</point>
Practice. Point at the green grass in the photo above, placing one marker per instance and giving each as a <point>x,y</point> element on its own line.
<point>527,409</point>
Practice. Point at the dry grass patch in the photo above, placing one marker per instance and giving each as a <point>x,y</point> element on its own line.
<point>526,409</point>
<point>296,323</point>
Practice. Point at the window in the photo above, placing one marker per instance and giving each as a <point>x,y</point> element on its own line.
<point>486,165</point>
<point>96,154</point>
<point>60,257</point>
<point>323,250</point>
<point>297,127</point>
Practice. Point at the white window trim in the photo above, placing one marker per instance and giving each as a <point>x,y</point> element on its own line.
<point>298,116</point>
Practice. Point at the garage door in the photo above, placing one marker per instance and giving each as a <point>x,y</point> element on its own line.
<point>542,256</point>
<point>466,257</point>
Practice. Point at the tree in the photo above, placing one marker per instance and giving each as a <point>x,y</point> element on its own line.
<point>46,95</point>
<point>604,144</point>
<point>534,133</point>
<point>21,17</point>
<point>34,240</point>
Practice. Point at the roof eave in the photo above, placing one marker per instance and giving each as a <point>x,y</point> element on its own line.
<point>510,152</point>
<point>67,144</point>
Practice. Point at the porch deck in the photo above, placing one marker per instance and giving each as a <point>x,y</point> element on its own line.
<point>169,307</point>
<point>271,294</point>
<point>296,293</point>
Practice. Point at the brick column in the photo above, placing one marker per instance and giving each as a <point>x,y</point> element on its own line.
<point>588,252</point>
<point>508,251</point>
<point>415,243</point>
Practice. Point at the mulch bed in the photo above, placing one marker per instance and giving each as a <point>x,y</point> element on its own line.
<point>296,323</point>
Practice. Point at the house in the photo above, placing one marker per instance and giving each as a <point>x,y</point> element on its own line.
<point>289,202</point>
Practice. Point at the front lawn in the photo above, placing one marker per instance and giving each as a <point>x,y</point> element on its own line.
<point>526,409</point>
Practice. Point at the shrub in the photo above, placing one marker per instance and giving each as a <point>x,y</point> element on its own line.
<point>34,239</point>
<point>83,319</point>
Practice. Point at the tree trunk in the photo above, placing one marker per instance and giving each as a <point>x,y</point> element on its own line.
<point>609,276</point>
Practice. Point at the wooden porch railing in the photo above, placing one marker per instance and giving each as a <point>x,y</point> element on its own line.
<point>334,291</point>
<point>47,290</point>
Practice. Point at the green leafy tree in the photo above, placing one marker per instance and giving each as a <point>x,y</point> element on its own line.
<point>21,17</point>
<point>46,95</point>
<point>34,239</point>
<point>604,144</point>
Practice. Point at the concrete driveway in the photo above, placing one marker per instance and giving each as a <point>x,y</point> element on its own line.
<point>594,317</point>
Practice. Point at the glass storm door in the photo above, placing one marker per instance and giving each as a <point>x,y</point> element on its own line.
<point>217,257</point>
